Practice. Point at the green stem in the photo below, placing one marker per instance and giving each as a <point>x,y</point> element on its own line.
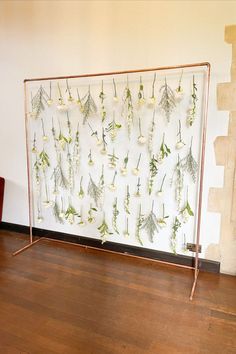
<point>138,161</point>
<point>153,86</point>
<point>114,86</point>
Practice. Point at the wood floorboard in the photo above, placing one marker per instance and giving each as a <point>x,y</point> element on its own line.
<point>65,299</point>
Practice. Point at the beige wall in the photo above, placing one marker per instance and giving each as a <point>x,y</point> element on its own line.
<point>46,38</point>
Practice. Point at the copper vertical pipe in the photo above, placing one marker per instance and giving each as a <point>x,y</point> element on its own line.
<point>28,163</point>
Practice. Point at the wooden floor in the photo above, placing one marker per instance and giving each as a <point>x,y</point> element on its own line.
<point>57,298</point>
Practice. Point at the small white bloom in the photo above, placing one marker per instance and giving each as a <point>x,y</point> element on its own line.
<point>103,151</point>
<point>90,163</point>
<point>99,142</point>
<point>179,145</point>
<point>62,107</point>
<point>137,194</point>
<point>112,187</point>
<point>115,99</point>
<point>39,219</point>
<point>62,215</point>
<point>49,102</point>
<point>123,171</point>
<point>135,171</point>
<point>141,140</point>
<point>151,101</point>
<point>126,234</point>
<point>160,193</point>
<point>45,138</point>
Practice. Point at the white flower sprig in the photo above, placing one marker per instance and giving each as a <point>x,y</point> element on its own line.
<point>167,102</point>
<point>104,143</point>
<point>150,224</point>
<point>127,200</point>
<point>91,217</point>
<point>81,190</point>
<point>62,140</point>
<point>101,180</point>
<point>61,105</point>
<point>90,159</point>
<point>95,133</point>
<point>191,113</point>
<point>113,159</point>
<point>152,99</point>
<point>82,221</point>
<point>79,102</point>
<point>55,189</point>
<point>162,221</point>
<point>128,109</point>
<point>179,92</point>
<point>123,169</point>
<point>186,212</point>
<point>62,211</point>
<point>136,169</point>
<point>173,239</point>
<point>70,99</point>
<point>104,229</point>
<point>94,191</point>
<point>126,232</point>
<point>89,106</point>
<point>102,97</point>
<point>115,97</point>
<point>163,152</point>
<point>189,164</point>
<point>180,143</point>
<point>139,223</point>
<point>178,175</point>
<point>160,190</point>
<point>141,98</point>
<point>153,170</point>
<point>37,173</point>
<point>137,193</point>
<point>113,128</point>
<point>45,137</point>
<point>34,149</point>
<point>46,203</point>
<point>141,137</point>
<point>44,162</point>
<point>115,215</point>
<point>151,134</point>
<point>70,214</point>
<point>112,186</point>
<point>39,212</point>
<point>71,174</point>
<point>49,99</point>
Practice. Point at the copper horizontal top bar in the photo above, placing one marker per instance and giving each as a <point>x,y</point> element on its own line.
<point>121,72</point>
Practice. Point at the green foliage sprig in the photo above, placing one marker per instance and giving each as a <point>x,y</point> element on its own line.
<point>91,218</point>
<point>160,190</point>
<point>163,152</point>
<point>59,175</point>
<point>44,162</point>
<point>180,143</point>
<point>178,176</point>
<point>186,212</point>
<point>141,98</point>
<point>151,134</point>
<point>38,102</point>
<point>81,190</point>
<point>57,212</point>
<point>123,169</point>
<point>104,230</point>
<point>70,214</point>
<point>113,128</point>
<point>128,109</point>
<point>179,90</point>
<point>153,170</point>
<point>76,150</point>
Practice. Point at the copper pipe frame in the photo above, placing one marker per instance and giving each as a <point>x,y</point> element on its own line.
<point>203,142</point>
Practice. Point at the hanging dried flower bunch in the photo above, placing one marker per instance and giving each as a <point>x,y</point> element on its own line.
<point>127,201</point>
<point>114,216</point>
<point>104,230</point>
<point>150,224</point>
<point>61,105</point>
<point>191,113</point>
<point>139,223</point>
<point>70,214</point>
<point>167,102</point>
<point>38,102</point>
<point>89,106</point>
<point>173,240</point>
<point>151,134</point>
<point>128,109</point>
<point>94,191</point>
<point>178,175</point>
<point>189,164</point>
